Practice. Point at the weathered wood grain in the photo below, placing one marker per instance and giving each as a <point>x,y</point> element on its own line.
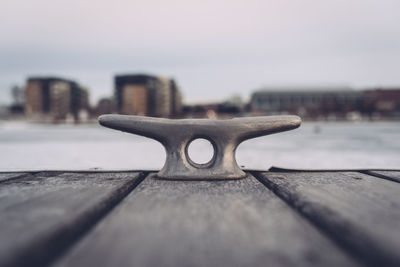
<point>389,175</point>
<point>43,214</point>
<point>204,223</point>
<point>360,212</point>
<point>5,176</point>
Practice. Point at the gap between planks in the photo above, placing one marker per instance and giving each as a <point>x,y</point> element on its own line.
<point>304,207</point>
<point>387,175</point>
<point>204,223</point>
<point>43,251</point>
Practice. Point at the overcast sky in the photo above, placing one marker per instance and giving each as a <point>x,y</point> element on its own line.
<point>212,48</point>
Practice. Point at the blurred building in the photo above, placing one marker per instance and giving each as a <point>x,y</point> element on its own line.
<point>105,106</point>
<point>134,99</point>
<point>54,98</point>
<point>319,103</point>
<point>161,102</point>
<point>383,102</point>
<point>307,101</point>
<point>225,109</point>
<point>147,95</point>
<point>18,100</point>
<point>176,99</point>
<point>59,105</point>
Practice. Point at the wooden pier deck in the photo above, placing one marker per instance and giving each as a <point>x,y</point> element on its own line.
<point>130,218</point>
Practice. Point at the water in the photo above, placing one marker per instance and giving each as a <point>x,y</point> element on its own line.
<point>314,145</point>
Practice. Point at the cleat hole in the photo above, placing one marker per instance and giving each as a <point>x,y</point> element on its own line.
<point>201,152</point>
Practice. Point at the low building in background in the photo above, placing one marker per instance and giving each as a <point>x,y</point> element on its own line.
<point>147,95</point>
<point>55,99</point>
<point>311,102</point>
<point>382,102</point>
<point>323,102</point>
<point>105,106</point>
<point>232,107</point>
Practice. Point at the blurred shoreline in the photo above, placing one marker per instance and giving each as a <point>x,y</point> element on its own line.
<point>90,121</point>
<point>315,145</point>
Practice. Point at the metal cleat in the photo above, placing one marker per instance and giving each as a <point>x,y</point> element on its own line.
<point>224,135</point>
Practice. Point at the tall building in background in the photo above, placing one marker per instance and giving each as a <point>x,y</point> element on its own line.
<point>60,100</point>
<point>161,102</point>
<point>134,99</point>
<point>176,99</point>
<point>148,95</point>
<point>35,97</point>
<point>55,98</point>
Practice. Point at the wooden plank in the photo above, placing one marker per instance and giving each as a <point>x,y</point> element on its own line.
<point>204,223</point>
<point>360,212</point>
<point>5,176</point>
<point>42,215</point>
<point>389,175</point>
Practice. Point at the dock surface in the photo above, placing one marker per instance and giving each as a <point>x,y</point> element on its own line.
<point>131,218</point>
